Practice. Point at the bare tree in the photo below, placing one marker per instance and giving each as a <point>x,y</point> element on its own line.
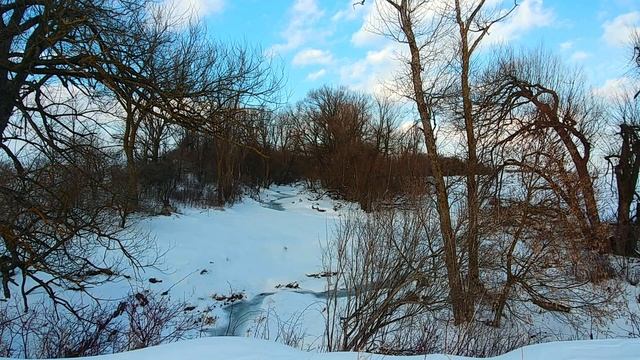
<point>532,101</point>
<point>543,124</point>
<point>334,126</point>
<point>527,231</point>
<point>58,194</point>
<point>474,20</point>
<point>541,98</point>
<point>384,272</point>
<point>626,167</point>
<point>61,62</point>
<point>636,56</point>
<point>59,228</point>
<point>403,20</point>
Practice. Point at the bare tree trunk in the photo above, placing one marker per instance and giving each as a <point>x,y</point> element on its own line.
<point>457,294</point>
<point>6,108</point>
<point>128,144</point>
<point>473,206</point>
<point>585,183</point>
<point>155,146</point>
<point>626,174</point>
<point>594,228</point>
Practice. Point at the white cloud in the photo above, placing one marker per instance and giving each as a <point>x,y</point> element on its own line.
<point>579,56</point>
<point>374,72</point>
<point>312,56</point>
<point>372,13</point>
<point>304,14</point>
<point>614,88</point>
<point>380,67</point>
<point>352,72</point>
<point>351,12</point>
<point>381,56</point>
<point>364,37</point>
<point>316,75</point>
<point>529,15</point>
<point>617,32</point>
<point>567,45</point>
<point>194,9</point>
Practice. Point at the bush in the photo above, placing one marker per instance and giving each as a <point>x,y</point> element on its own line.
<point>142,319</point>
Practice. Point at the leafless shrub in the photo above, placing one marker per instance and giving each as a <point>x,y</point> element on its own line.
<point>529,265</point>
<point>479,340</point>
<point>389,270</point>
<point>141,320</point>
<point>7,336</point>
<point>634,320</point>
<point>154,320</point>
<point>627,268</point>
<point>61,230</point>
<point>291,331</point>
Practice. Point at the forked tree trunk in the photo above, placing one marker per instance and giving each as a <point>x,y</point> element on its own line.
<point>457,294</point>
<point>129,141</point>
<point>626,174</point>
<point>473,205</point>
<point>571,139</point>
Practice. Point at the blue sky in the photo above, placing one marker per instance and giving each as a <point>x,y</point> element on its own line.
<point>327,42</point>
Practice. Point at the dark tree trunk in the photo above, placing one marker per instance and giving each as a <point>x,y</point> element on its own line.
<point>626,174</point>
<point>462,311</point>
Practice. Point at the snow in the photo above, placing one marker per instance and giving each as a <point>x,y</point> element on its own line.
<point>254,248</point>
<point>257,247</point>
<point>247,247</point>
<point>237,348</point>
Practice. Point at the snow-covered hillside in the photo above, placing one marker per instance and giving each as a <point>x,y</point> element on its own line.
<point>246,264</point>
<point>249,268</point>
<point>236,348</point>
<point>254,270</point>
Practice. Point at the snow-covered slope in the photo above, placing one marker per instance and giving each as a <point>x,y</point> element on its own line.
<point>237,348</point>
<point>260,250</point>
<point>261,253</point>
